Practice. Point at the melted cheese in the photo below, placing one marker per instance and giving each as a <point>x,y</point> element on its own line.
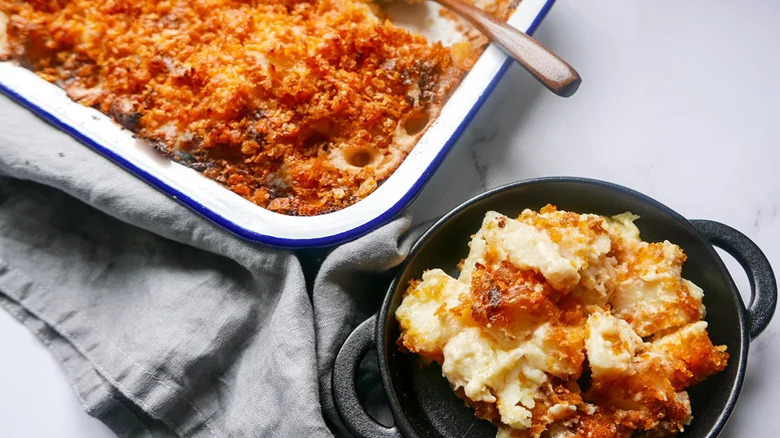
<point>611,344</point>
<point>540,293</point>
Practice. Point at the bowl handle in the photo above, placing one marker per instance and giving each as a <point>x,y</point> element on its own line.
<point>763,287</point>
<point>344,383</point>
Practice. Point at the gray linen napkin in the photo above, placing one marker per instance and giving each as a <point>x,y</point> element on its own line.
<point>166,324</point>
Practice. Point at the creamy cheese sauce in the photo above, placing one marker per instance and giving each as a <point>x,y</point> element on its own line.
<point>550,296</point>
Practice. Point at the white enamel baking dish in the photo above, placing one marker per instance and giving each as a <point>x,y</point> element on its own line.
<point>239,215</point>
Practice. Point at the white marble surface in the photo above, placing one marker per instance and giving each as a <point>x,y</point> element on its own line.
<point>680,101</point>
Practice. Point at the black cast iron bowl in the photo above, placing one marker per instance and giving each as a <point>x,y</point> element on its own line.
<point>421,400</point>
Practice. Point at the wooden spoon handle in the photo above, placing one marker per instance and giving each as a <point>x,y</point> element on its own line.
<point>552,71</point>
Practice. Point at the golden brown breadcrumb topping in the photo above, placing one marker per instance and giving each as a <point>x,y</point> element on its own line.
<point>618,350</point>
<point>301,106</point>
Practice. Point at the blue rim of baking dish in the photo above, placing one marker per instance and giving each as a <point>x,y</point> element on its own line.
<point>331,240</point>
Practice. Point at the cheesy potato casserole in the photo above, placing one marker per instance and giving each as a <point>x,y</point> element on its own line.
<point>301,106</point>
<point>565,325</point>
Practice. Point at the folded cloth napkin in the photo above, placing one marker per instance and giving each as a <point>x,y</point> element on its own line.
<point>166,324</point>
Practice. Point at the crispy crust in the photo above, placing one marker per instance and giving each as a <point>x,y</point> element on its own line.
<point>603,380</point>
<point>301,106</point>
<point>5,51</point>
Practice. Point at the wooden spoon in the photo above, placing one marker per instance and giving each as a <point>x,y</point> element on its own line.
<point>547,67</point>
